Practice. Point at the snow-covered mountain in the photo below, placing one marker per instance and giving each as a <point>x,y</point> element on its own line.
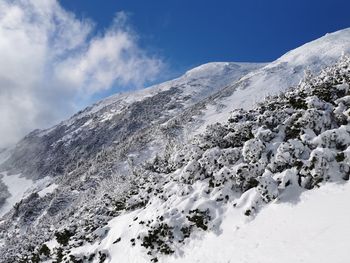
<point>277,76</point>
<point>118,121</point>
<point>140,177</point>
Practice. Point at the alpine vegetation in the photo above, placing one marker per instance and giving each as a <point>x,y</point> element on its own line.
<point>288,144</point>
<point>296,140</point>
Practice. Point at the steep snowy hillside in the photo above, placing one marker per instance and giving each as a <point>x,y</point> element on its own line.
<point>92,146</point>
<point>213,189</point>
<point>116,119</point>
<point>139,177</point>
<point>275,77</point>
<point>313,228</point>
<point>111,123</point>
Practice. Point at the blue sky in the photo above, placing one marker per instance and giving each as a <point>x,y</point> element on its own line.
<point>59,56</point>
<point>186,33</point>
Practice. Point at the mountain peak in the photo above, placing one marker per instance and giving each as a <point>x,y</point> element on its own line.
<point>322,51</point>
<point>214,68</point>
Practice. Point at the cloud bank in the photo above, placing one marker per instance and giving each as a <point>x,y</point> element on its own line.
<point>51,61</point>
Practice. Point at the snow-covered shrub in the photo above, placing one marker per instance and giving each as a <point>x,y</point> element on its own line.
<point>214,136</point>
<point>336,138</point>
<point>222,176</point>
<point>209,160</point>
<point>267,187</point>
<point>238,134</point>
<point>293,141</point>
<point>252,150</point>
<point>245,176</point>
<point>191,171</point>
<point>298,139</point>
<point>287,155</point>
<point>229,156</point>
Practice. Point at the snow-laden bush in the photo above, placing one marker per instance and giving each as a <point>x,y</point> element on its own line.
<point>252,150</point>
<point>298,139</point>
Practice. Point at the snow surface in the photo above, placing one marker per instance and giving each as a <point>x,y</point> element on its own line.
<point>17,186</point>
<point>48,190</point>
<point>312,228</point>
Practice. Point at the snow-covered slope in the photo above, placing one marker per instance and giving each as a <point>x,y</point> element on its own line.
<point>17,186</point>
<point>181,107</point>
<point>113,121</point>
<point>265,163</point>
<point>314,228</point>
<point>277,76</point>
<point>194,85</point>
<point>120,179</point>
<point>226,184</point>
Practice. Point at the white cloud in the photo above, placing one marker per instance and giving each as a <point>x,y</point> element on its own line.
<point>49,60</point>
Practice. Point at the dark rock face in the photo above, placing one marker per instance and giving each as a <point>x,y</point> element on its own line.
<point>4,193</point>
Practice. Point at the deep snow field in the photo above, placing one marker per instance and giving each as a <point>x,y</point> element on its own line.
<point>312,228</point>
